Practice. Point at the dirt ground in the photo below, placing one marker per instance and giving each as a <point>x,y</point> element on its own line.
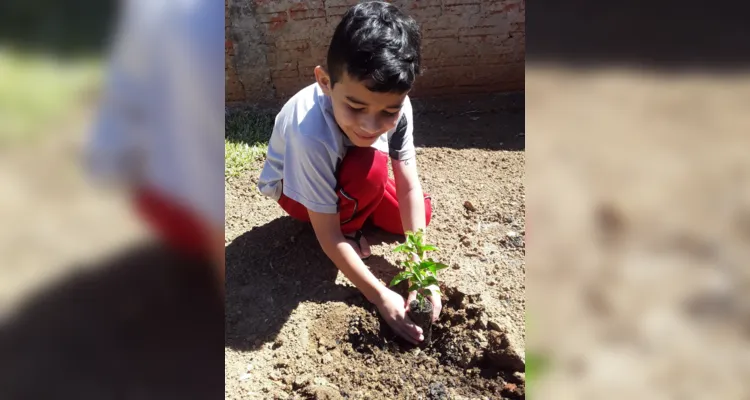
<point>296,328</point>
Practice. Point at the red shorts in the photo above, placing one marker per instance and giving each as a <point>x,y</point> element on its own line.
<point>173,223</point>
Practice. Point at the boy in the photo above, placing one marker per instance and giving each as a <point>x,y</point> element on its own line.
<point>327,160</point>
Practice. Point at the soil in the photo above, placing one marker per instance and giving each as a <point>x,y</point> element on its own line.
<point>297,329</point>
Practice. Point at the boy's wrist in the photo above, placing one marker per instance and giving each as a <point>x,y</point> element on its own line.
<point>377,294</point>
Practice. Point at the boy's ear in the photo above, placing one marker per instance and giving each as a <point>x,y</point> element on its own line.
<point>323,80</point>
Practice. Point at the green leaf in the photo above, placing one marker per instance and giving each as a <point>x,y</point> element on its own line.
<point>414,287</point>
<point>401,249</point>
<point>410,239</point>
<point>430,280</point>
<point>439,266</point>
<point>415,271</point>
<point>429,247</point>
<point>420,298</point>
<point>400,277</point>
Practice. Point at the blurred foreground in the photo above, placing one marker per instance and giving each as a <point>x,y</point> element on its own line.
<point>92,306</point>
<point>638,233</point>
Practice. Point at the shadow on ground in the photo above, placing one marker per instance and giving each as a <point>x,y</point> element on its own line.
<point>494,121</point>
<point>273,268</point>
<point>145,323</point>
<point>642,34</point>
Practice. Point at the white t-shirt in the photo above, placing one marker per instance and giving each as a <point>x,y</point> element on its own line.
<point>161,118</point>
<point>307,146</point>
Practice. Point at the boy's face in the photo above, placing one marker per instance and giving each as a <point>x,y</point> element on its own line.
<point>361,114</point>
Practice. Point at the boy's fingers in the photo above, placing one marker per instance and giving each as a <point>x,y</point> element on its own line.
<point>413,329</point>
<point>407,336</point>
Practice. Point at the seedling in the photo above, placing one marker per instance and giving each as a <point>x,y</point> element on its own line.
<point>421,273</point>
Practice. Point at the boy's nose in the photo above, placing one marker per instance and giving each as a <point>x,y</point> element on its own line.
<point>369,126</point>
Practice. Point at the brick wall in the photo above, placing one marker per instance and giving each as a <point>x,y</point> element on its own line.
<point>467,45</point>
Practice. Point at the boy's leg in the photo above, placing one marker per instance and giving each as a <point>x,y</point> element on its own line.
<point>387,215</point>
<point>363,175</point>
<point>362,178</point>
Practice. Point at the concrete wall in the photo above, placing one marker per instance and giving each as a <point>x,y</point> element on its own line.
<point>467,46</point>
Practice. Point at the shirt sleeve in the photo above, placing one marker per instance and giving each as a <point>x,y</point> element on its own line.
<point>310,174</point>
<point>401,141</point>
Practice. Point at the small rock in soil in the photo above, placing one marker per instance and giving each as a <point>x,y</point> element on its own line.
<point>327,358</point>
<point>469,206</point>
<point>437,391</point>
<point>322,393</point>
<point>281,365</point>
<point>494,326</point>
<point>511,390</point>
<point>482,321</point>
<point>321,349</point>
<point>327,343</point>
<point>479,336</point>
<point>520,376</point>
<point>301,382</point>
<point>275,375</point>
<point>280,395</point>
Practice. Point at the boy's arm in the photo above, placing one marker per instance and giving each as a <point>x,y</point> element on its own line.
<point>391,305</point>
<point>409,193</point>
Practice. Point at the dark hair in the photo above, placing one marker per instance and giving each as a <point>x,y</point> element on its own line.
<point>377,44</point>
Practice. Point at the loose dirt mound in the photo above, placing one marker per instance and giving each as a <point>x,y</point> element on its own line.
<point>351,353</point>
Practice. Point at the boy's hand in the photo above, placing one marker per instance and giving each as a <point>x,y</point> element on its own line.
<point>393,309</point>
<point>437,304</point>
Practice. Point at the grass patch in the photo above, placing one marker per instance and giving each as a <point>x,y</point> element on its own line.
<point>246,136</point>
<point>37,92</point>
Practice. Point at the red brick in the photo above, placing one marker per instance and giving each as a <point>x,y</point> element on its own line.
<point>307,14</point>
<point>288,87</point>
<point>491,41</point>
<point>291,44</point>
<point>307,67</point>
<point>460,2</point>
<point>336,12</point>
<point>413,5</point>
<point>507,6</point>
<point>278,56</point>
<point>440,33</point>
<point>421,14</point>
<point>462,9</point>
<point>288,70</point>
<point>296,30</point>
<point>273,17</point>
<point>482,30</point>
<point>340,3</point>
<point>450,21</point>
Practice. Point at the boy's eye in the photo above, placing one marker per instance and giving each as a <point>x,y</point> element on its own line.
<point>355,109</point>
<point>390,114</point>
